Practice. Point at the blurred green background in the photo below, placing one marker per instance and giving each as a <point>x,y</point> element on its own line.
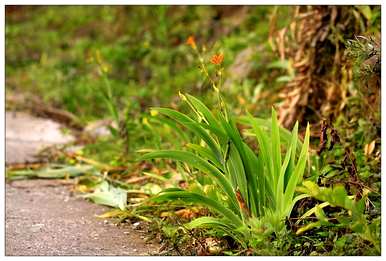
<point>50,51</point>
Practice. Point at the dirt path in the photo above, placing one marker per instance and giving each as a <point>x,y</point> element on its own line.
<point>43,218</point>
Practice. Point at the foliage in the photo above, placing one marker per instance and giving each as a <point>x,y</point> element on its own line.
<point>337,197</point>
<point>251,188</point>
<point>106,194</point>
<point>55,171</point>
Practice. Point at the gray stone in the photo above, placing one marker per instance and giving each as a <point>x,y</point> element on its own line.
<point>26,135</point>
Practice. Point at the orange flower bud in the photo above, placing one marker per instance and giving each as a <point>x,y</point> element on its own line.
<point>190,41</point>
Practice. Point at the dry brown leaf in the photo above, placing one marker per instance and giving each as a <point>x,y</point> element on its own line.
<point>136,179</point>
<point>166,214</point>
<point>187,213</point>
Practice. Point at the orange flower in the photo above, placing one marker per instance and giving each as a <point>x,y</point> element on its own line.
<point>190,41</point>
<point>217,59</point>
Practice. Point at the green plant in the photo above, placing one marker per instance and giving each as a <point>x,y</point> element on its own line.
<point>355,219</point>
<point>106,92</point>
<point>252,193</point>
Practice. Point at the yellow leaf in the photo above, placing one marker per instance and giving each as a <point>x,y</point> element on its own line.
<point>308,227</point>
<point>183,97</point>
<point>153,112</point>
<point>166,214</point>
<point>369,148</point>
<point>110,214</point>
<point>82,188</point>
<point>145,121</point>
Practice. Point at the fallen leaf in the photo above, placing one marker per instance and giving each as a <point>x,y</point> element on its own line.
<point>136,180</point>
<point>110,214</point>
<point>166,214</point>
<point>106,194</point>
<point>369,148</point>
<point>188,213</point>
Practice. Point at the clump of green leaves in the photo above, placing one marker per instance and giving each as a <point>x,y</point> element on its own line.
<point>355,219</point>
<point>251,193</point>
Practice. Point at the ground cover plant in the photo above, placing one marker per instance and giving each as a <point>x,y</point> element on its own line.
<point>259,135</point>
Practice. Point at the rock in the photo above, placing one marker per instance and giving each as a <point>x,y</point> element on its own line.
<point>36,228</point>
<point>136,225</point>
<point>100,128</point>
<point>27,135</point>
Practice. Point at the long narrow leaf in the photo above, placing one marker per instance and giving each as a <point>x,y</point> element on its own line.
<point>299,169</point>
<point>264,152</point>
<point>280,186</point>
<point>194,127</point>
<point>212,122</point>
<point>200,199</point>
<point>206,153</point>
<point>285,134</point>
<point>195,161</point>
<point>257,183</point>
<point>275,146</point>
<point>219,224</point>
<point>291,164</point>
<point>236,171</point>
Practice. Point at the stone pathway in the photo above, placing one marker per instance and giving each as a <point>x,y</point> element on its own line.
<point>43,218</point>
